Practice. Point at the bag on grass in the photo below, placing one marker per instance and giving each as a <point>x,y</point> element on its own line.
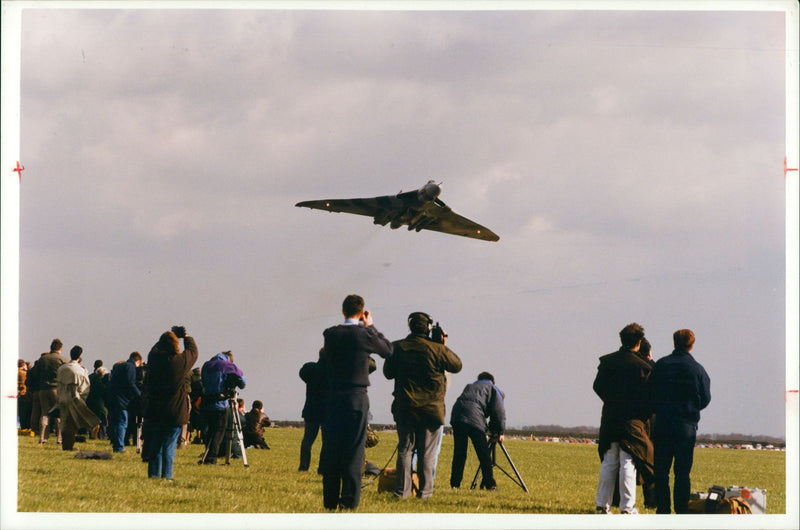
<point>388,480</point>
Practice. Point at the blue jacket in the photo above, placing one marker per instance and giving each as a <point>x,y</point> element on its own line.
<point>122,385</point>
<point>219,374</point>
<point>679,388</point>
<point>480,400</point>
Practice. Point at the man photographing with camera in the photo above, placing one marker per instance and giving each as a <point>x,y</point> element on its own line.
<point>220,379</point>
<point>418,365</point>
<point>346,352</point>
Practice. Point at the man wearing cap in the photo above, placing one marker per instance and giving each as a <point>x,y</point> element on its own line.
<point>680,389</point>
<point>418,365</point>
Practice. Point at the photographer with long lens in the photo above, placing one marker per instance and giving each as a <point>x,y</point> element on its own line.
<point>220,379</point>
<point>418,365</point>
<point>479,400</point>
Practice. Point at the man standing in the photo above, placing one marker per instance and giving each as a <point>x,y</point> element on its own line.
<point>479,400</point>
<point>315,376</point>
<point>418,365</point>
<point>73,387</point>
<point>347,350</point>
<point>621,383</point>
<point>43,376</point>
<point>122,389</point>
<point>167,405</point>
<point>680,389</point>
<point>219,376</point>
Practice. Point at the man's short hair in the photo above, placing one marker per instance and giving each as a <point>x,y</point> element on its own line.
<point>75,353</point>
<point>258,405</point>
<point>353,305</point>
<point>683,339</point>
<point>56,345</point>
<point>135,356</point>
<point>485,376</point>
<point>631,334</point>
<point>98,363</point>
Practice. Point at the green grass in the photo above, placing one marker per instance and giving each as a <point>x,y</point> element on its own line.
<point>562,479</point>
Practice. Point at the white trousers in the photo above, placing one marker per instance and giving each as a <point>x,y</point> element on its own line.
<point>617,465</point>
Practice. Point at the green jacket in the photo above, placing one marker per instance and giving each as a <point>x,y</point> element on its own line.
<point>418,367</point>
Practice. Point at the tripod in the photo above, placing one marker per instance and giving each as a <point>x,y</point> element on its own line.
<point>493,448</point>
<point>233,429</point>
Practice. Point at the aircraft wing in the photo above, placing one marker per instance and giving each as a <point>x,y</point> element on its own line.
<point>449,222</point>
<point>369,207</point>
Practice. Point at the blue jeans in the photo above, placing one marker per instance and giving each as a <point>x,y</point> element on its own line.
<point>164,440</point>
<point>117,425</point>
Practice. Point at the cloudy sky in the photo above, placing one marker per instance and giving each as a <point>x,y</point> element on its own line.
<point>631,162</point>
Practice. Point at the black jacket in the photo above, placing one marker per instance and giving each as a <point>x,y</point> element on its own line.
<point>680,388</point>
<point>347,352</point>
<point>315,376</point>
<point>480,400</point>
<point>621,383</point>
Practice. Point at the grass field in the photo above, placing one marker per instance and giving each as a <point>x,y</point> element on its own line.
<point>562,479</point>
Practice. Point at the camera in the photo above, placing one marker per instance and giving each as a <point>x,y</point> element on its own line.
<point>438,334</point>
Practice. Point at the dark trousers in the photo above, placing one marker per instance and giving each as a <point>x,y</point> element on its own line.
<point>24,406</point>
<point>309,436</point>
<point>215,420</point>
<point>673,444</point>
<point>344,433</point>
<point>462,433</point>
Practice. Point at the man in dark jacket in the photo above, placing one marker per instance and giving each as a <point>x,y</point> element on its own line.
<point>96,401</point>
<point>254,423</point>
<point>219,376</point>
<point>315,376</point>
<point>680,389</point>
<point>43,378</point>
<point>479,400</point>
<point>621,384</point>
<point>122,389</point>
<point>418,365</point>
<point>347,350</point>
<point>167,406</point>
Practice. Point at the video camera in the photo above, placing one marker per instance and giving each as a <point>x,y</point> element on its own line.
<point>438,334</point>
<point>419,321</point>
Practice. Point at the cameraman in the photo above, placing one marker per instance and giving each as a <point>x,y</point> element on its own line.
<point>478,401</point>
<point>418,367</point>
<point>220,379</point>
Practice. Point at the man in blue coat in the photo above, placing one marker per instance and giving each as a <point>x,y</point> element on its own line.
<point>479,400</point>
<point>121,390</point>
<point>680,389</point>
<point>220,377</point>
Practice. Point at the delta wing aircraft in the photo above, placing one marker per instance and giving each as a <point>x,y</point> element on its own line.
<point>419,210</point>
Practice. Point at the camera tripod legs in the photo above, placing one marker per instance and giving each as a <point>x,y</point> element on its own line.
<point>233,429</point>
<point>493,449</point>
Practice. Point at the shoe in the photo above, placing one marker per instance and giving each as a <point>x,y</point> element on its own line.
<point>601,510</point>
<point>632,511</point>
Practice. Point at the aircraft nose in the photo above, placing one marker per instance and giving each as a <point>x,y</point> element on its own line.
<point>432,190</point>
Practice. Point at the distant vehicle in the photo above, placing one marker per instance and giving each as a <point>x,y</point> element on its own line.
<point>419,210</point>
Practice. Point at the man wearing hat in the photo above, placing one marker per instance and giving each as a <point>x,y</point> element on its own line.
<point>418,367</point>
